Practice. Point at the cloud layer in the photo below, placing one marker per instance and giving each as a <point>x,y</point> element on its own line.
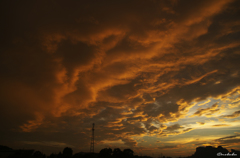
<point>130,67</point>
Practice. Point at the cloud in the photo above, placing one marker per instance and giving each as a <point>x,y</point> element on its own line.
<point>32,124</point>
<point>220,125</point>
<point>234,102</point>
<point>175,129</point>
<point>223,138</point>
<point>207,111</point>
<point>208,101</point>
<point>50,143</point>
<point>233,115</point>
<point>230,140</point>
<point>200,123</point>
<point>168,147</point>
<point>129,142</point>
<point>128,68</point>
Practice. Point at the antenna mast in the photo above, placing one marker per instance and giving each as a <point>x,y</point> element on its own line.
<point>92,140</point>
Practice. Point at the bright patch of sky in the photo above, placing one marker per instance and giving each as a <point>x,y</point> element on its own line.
<point>202,125</point>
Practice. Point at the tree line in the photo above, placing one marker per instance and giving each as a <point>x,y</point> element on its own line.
<point>67,152</point>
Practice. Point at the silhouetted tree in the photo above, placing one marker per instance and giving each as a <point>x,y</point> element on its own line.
<point>128,152</point>
<point>78,155</point>
<point>67,152</point>
<point>38,154</point>
<point>106,152</point>
<point>5,148</point>
<point>53,155</point>
<point>117,152</point>
<point>22,154</point>
<point>59,155</point>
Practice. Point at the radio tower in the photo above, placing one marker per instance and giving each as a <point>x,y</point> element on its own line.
<point>92,140</point>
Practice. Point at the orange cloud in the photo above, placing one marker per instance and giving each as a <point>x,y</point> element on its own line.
<point>201,123</point>
<point>129,72</point>
<point>207,111</point>
<point>220,125</point>
<point>234,115</point>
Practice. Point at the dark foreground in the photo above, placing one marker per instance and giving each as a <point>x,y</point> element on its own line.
<point>201,152</point>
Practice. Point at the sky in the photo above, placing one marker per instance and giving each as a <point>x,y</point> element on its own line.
<point>154,76</point>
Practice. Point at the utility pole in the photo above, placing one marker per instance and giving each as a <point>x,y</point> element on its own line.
<point>92,140</point>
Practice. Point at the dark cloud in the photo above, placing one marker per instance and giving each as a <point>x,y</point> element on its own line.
<point>128,66</point>
<point>201,123</point>
<point>234,115</point>
<point>129,142</point>
<point>169,147</point>
<point>231,140</point>
<point>220,125</point>
<point>208,111</point>
<point>174,127</point>
<point>223,138</point>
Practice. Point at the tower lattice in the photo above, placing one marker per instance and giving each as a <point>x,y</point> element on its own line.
<point>92,140</point>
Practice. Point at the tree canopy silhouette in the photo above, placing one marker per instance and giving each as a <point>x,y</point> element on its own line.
<point>38,154</point>
<point>106,152</point>
<point>67,152</point>
<point>117,152</point>
<point>128,152</point>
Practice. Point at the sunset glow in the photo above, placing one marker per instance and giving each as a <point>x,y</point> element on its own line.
<point>159,77</point>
